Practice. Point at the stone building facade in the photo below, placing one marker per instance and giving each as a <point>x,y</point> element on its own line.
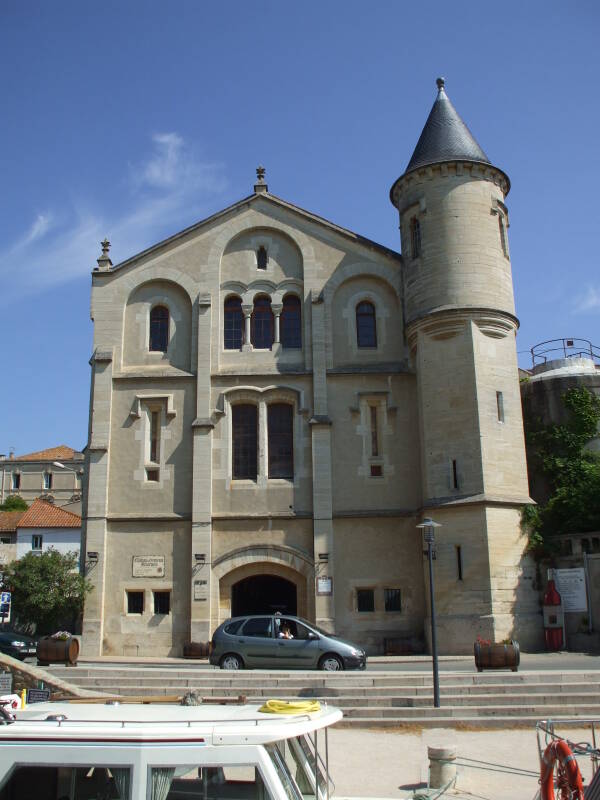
<point>55,475</point>
<point>277,402</point>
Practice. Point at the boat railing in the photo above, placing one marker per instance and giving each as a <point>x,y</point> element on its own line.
<point>185,723</point>
<point>546,730</point>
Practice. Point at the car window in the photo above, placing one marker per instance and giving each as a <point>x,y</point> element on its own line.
<point>234,626</point>
<point>296,629</point>
<point>258,626</point>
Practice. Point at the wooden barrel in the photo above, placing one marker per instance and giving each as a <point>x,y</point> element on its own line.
<point>54,651</point>
<point>497,656</point>
<point>196,650</point>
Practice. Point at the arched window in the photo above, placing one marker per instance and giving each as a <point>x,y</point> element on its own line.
<point>366,326</point>
<point>244,433</point>
<point>262,323</point>
<point>415,237</point>
<point>291,322</point>
<point>159,329</point>
<point>280,425</point>
<point>233,325</point>
<point>262,257</point>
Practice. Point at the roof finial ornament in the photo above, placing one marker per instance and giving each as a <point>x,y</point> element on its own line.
<point>260,185</point>
<point>104,261</point>
<point>441,82</point>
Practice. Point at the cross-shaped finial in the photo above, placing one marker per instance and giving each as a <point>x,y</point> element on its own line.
<point>260,173</point>
<point>105,244</point>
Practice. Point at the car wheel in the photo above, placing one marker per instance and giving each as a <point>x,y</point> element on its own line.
<point>330,663</point>
<point>231,661</point>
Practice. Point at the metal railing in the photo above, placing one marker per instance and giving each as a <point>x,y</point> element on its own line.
<point>564,348</point>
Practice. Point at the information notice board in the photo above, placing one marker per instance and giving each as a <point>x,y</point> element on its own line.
<point>571,587</point>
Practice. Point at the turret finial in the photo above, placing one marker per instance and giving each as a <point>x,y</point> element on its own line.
<point>441,82</point>
<point>260,185</point>
<point>104,261</point>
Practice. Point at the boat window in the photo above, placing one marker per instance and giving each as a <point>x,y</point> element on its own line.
<point>299,755</point>
<point>239,782</point>
<point>258,626</point>
<point>73,783</point>
<point>292,790</point>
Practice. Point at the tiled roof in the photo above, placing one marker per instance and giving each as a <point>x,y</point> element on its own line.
<point>9,519</point>
<point>41,514</point>
<point>60,453</point>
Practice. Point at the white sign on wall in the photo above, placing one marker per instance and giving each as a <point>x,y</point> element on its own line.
<point>571,587</point>
<point>148,567</point>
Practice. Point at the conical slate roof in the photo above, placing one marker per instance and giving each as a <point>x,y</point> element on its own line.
<point>445,136</point>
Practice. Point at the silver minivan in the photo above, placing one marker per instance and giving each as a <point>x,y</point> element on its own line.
<point>271,641</point>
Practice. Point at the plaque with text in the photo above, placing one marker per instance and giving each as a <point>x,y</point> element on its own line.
<point>324,585</point>
<point>148,567</point>
<point>38,695</point>
<point>571,587</point>
<point>201,591</point>
<point>6,680</point>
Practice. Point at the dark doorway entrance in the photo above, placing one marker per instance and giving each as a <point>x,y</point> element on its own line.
<point>263,594</point>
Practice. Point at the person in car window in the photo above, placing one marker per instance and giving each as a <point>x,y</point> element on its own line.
<point>285,632</point>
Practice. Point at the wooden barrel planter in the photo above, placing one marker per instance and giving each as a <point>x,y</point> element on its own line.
<point>196,650</point>
<point>497,656</point>
<point>57,651</point>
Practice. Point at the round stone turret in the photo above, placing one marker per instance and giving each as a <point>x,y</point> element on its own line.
<point>453,222</point>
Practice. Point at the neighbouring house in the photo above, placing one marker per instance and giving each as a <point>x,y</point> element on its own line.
<point>8,535</point>
<point>55,475</point>
<point>44,526</point>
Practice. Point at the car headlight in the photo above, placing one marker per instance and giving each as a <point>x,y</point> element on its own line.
<point>17,643</point>
<point>355,652</point>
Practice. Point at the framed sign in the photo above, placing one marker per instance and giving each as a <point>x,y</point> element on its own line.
<point>148,567</point>
<point>324,585</point>
<point>38,695</point>
<point>571,587</point>
<point>6,680</point>
<point>201,591</point>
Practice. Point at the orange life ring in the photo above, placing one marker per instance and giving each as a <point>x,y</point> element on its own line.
<point>568,767</point>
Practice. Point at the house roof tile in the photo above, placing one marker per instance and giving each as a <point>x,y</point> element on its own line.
<point>9,520</point>
<point>41,514</point>
<point>60,453</point>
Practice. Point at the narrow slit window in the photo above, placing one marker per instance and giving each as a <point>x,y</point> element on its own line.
<point>159,329</point>
<point>366,325</point>
<point>233,324</point>
<point>459,563</point>
<point>280,425</point>
<point>454,475</point>
<point>262,257</point>
<point>415,237</point>
<point>503,239</point>
<point>155,436</point>
<point>245,442</point>
<point>291,323</point>
<point>374,431</point>
<point>500,406</point>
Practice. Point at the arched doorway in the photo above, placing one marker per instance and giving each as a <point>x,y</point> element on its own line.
<point>263,594</point>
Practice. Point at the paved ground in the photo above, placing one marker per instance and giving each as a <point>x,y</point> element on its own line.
<point>529,661</point>
<point>492,765</point>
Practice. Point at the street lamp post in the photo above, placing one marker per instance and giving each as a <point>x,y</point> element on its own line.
<point>428,527</point>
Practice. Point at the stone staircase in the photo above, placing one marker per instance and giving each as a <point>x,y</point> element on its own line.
<point>370,699</point>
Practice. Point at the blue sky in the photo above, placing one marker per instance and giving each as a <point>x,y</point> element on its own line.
<point>135,119</point>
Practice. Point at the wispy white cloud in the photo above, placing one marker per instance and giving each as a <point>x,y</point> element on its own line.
<point>589,300</point>
<point>164,193</point>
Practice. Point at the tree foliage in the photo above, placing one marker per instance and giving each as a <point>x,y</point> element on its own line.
<point>572,470</point>
<point>14,503</point>
<point>48,593</point>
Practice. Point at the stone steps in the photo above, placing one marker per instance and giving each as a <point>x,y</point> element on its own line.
<point>383,699</point>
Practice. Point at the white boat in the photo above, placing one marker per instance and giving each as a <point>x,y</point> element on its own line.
<point>91,751</point>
